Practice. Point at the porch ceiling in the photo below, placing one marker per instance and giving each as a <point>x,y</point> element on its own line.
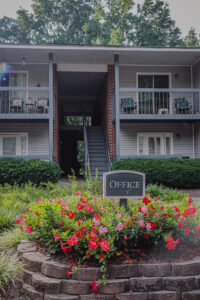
<point>99,55</point>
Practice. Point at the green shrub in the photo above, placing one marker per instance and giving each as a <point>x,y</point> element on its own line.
<point>172,172</point>
<point>165,194</point>
<point>18,171</point>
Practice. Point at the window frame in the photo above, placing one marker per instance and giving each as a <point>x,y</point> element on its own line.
<point>18,136</point>
<point>162,135</point>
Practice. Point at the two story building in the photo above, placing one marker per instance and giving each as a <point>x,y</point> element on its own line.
<point>120,101</point>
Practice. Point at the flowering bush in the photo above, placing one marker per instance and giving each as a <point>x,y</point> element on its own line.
<point>98,229</point>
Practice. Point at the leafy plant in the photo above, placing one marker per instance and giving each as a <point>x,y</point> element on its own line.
<point>10,267</point>
<point>171,172</point>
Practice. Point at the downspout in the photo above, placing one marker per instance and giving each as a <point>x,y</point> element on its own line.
<point>117,112</point>
<point>51,106</point>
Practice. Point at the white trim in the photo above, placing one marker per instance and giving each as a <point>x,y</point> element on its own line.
<point>163,135</point>
<point>16,135</point>
<point>82,68</point>
<point>154,73</point>
<point>193,140</point>
<point>139,65</point>
<point>113,49</point>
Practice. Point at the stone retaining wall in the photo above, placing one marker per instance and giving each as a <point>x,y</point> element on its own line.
<point>46,279</point>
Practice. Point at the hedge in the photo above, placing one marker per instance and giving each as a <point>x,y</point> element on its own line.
<point>171,172</point>
<point>18,171</point>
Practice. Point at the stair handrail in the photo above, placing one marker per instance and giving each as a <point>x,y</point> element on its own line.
<point>86,152</point>
<point>107,145</point>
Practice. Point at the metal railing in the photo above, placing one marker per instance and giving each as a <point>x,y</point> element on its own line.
<point>159,101</point>
<point>31,100</point>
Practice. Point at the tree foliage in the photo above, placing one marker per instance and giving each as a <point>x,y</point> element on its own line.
<point>105,22</point>
<point>192,39</point>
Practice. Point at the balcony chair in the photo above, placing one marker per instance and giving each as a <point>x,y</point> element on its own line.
<point>43,105</point>
<point>16,105</point>
<point>128,105</point>
<point>182,106</point>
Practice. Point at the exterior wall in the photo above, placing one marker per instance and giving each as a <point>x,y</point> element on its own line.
<point>183,145</point>
<point>107,107</point>
<point>196,76</point>
<point>36,73</point>
<point>38,135</point>
<point>127,75</point>
<point>56,143</point>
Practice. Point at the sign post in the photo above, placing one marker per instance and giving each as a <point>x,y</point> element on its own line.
<point>123,184</point>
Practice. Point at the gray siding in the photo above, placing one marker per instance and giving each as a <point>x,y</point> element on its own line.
<point>183,145</point>
<point>196,76</point>
<point>127,75</point>
<point>38,135</point>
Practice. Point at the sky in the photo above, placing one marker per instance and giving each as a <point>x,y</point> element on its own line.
<point>186,13</point>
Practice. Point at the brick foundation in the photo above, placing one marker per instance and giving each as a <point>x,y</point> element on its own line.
<point>107,110</point>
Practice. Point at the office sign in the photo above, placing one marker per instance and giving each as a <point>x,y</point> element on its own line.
<point>123,184</point>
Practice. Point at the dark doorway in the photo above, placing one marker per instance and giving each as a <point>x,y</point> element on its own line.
<point>79,97</point>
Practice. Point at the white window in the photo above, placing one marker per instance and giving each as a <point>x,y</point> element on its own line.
<point>13,144</point>
<point>155,143</point>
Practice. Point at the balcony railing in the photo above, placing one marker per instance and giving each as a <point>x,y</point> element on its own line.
<point>159,101</point>
<point>25,101</point>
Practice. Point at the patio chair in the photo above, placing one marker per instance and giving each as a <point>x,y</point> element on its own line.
<point>43,105</point>
<point>128,105</point>
<point>182,106</point>
<point>16,105</point>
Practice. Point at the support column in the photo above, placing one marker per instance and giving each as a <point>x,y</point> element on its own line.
<point>117,106</point>
<point>51,106</point>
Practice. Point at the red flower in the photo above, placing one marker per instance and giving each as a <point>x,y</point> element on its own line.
<point>180,224</point>
<point>171,244</point>
<point>162,207</point>
<point>29,229</point>
<point>21,228</point>
<point>104,244</point>
<point>78,193</point>
<point>37,213</point>
<point>97,216</point>
<point>101,256</point>
<point>56,237</point>
<point>71,215</point>
<point>125,237</point>
<point>67,273</point>
<point>89,208</point>
<point>84,201</point>
<point>92,245</point>
<point>17,221</point>
<point>27,209</point>
<point>145,235</point>
<point>187,230</point>
<point>93,235</point>
<point>94,286</point>
<point>72,241</point>
<point>79,207</point>
<point>177,211</point>
<point>22,219</point>
<point>63,247</point>
<point>146,201</point>
<point>153,225</point>
<point>83,229</point>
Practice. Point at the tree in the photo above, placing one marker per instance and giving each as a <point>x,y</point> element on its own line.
<point>114,20</point>
<point>154,26</point>
<point>192,39</point>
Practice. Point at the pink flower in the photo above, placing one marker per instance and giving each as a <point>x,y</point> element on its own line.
<point>157,214</point>
<point>39,201</point>
<point>198,227</point>
<point>37,213</point>
<point>27,209</point>
<point>144,209</point>
<point>120,227</point>
<point>29,229</point>
<point>78,193</point>
<point>119,214</point>
<point>96,221</point>
<point>141,222</point>
<point>22,219</point>
<point>56,237</point>
<point>148,226</point>
<point>103,230</point>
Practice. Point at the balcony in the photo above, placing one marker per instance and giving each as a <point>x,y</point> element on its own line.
<point>24,102</point>
<point>159,104</point>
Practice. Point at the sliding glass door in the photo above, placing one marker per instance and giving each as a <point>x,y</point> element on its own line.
<point>153,102</point>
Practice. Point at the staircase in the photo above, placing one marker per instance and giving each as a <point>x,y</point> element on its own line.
<point>97,149</point>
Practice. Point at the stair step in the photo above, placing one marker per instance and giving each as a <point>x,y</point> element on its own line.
<point>31,292</point>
